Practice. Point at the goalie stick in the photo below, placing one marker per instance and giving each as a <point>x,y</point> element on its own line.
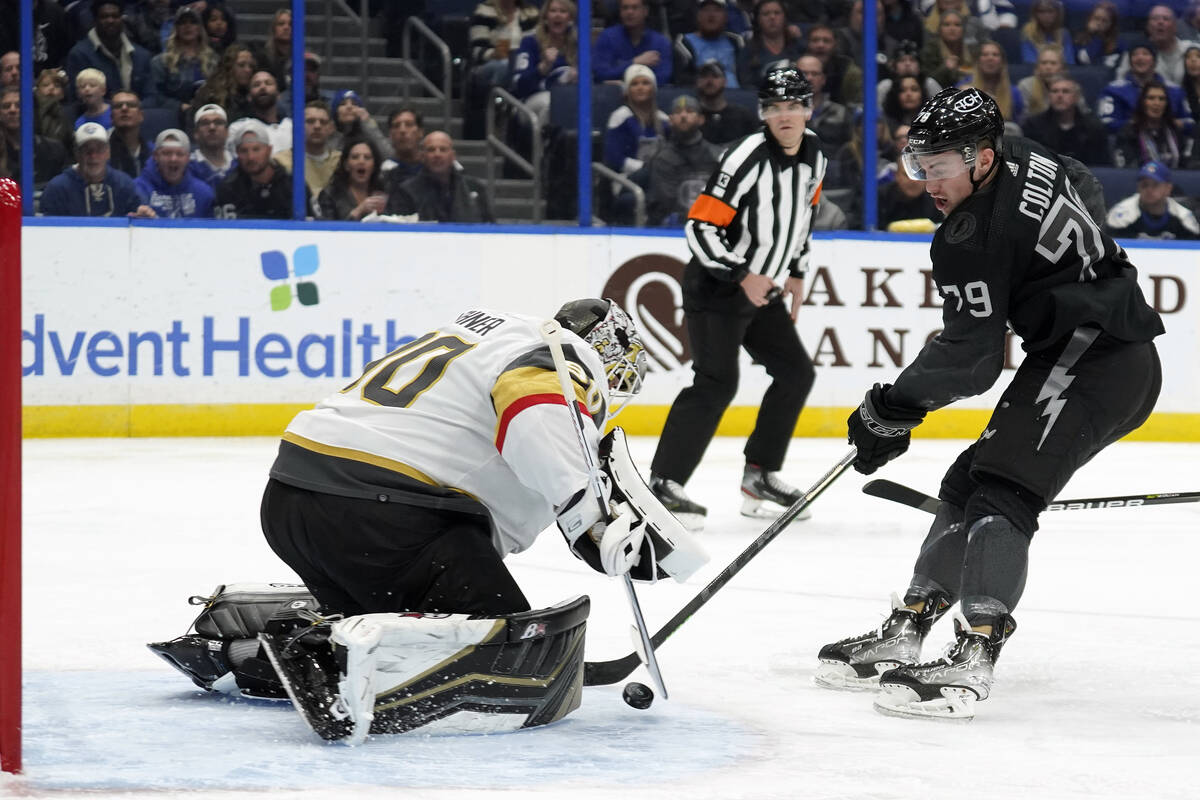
<point>552,336</point>
<point>890,490</point>
<point>605,673</point>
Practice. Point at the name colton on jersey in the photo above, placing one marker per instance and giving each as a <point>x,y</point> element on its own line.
<point>1039,187</point>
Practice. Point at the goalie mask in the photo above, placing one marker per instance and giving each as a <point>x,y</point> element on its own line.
<point>612,334</point>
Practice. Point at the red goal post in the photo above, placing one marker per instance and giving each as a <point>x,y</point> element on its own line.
<point>10,476</point>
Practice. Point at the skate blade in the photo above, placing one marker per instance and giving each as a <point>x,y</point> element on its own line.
<point>956,704</point>
<point>757,508</point>
<point>841,678</point>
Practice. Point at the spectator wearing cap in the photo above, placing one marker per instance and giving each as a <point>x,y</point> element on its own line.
<point>167,186</point>
<point>905,62</point>
<point>320,160</point>
<point>92,188</point>
<point>711,41</point>
<point>258,188</point>
<point>440,192</point>
<point>91,88</point>
<point>773,41</point>
<point>1151,213</point>
<point>634,132</point>
<point>106,47</point>
<point>210,161</point>
<point>406,129</point>
<point>1120,97</point>
<point>49,156</point>
<point>351,120</point>
<point>130,148</point>
<point>630,42</point>
<point>312,84</point>
<point>832,122</point>
<point>723,121</point>
<point>264,106</point>
<point>497,27</point>
<point>1067,130</point>
<point>682,166</point>
<point>1162,35</point>
<point>183,66</point>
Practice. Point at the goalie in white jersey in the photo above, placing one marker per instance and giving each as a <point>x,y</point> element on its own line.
<point>405,490</point>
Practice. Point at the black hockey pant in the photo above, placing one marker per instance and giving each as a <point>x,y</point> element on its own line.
<point>1062,408</point>
<point>716,337</point>
<point>362,556</point>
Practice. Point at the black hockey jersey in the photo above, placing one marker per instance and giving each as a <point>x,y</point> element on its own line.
<point>1021,253</point>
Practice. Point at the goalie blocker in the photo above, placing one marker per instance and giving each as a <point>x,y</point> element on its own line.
<point>385,673</point>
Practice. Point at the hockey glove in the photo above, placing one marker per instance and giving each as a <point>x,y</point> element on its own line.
<point>880,432</point>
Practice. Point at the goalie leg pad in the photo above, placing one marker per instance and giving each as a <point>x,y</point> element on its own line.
<point>668,548</point>
<point>449,673</point>
<point>233,615</point>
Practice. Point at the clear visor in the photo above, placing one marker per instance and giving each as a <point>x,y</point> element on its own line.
<point>935,166</point>
<point>787,108</point>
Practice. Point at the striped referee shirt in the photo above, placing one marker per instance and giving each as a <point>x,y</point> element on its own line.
<point>755,214</point>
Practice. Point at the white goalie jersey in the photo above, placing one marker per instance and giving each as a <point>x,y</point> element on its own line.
<point>469,417</point>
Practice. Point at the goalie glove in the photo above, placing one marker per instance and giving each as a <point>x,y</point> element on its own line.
<point>640,536</point>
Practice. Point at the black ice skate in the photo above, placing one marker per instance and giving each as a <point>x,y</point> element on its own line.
<point>949,687</point>
<point>762,491</point>
<point>310,672</point>
<point>690,514</point>
<point>203,660</point>
<point>855,664</point>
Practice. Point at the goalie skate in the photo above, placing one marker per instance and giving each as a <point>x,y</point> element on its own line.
<point>765,496</point>
<point>855,663</point>
<point>949,687</point>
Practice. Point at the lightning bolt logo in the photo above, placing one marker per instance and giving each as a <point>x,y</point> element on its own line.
<point>1051,392</point>
<point>1058,380</point>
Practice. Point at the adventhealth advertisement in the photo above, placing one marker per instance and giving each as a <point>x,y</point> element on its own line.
<point>146,316</point>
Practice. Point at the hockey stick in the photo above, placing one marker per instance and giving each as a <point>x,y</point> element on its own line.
<point>552,336</point>
<point>889,490</point>
<point>604,673</point>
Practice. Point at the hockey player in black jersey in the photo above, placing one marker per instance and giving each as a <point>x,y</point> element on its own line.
<point>1017,249</point>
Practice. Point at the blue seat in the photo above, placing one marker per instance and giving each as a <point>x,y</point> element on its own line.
<point>157,120</point>
<point>1010,40</point>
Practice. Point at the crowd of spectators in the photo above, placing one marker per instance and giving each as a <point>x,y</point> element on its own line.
<point>1116,87</point>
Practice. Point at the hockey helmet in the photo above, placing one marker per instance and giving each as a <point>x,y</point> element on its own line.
<point>952,120</point>
<point>785,85</point>
<point>611,333</point>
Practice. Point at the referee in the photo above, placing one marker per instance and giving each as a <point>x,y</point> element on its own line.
<point>750,227</point>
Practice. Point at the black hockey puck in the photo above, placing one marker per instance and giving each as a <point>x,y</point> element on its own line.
<point>638,695</point>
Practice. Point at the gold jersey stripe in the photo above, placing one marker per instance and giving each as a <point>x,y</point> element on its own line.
<point>517,384</point>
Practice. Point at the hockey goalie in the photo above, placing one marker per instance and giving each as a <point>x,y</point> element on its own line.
<point>396,499</point>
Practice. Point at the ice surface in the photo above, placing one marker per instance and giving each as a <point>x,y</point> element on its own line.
<point>1097,694</point>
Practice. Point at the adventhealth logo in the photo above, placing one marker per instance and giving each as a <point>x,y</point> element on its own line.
<point>305,261</point>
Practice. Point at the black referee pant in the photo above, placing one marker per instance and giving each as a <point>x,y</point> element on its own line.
<point>716,336</point>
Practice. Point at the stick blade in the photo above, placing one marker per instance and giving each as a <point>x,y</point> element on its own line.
<point>890,490</point>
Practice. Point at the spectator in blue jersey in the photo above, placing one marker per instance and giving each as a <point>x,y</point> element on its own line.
<point>1152,213</point>
<point>106,47</point>
<point>773,41</point>
<point>631,42</point>
<point>1047,25</point>
<point>1100,42</point>
<point>711,41</point>
<point>547,57</point>
<point>91,88</point>
<point>1152,134</point>
<point>210,161</point>
<point>91,188</point>
<point>634,134</point>
<point>167,186</point>
<point>1120,97</point>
